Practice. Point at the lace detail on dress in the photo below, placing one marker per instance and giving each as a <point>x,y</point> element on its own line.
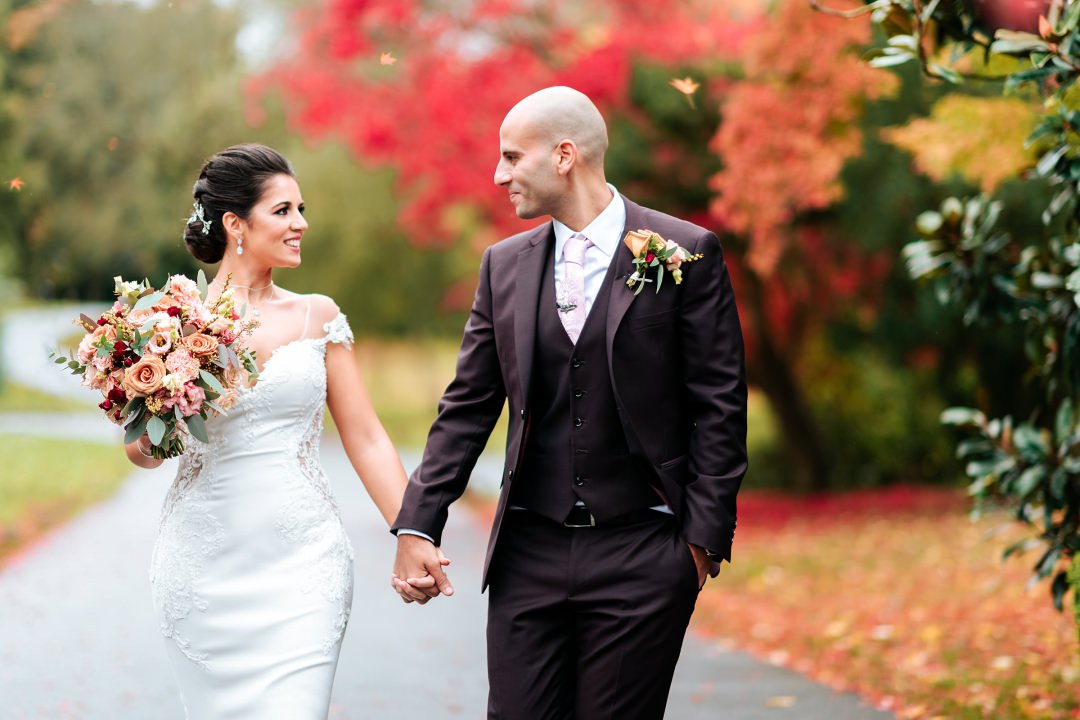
<point>189,534</point>
<point>338,331</point>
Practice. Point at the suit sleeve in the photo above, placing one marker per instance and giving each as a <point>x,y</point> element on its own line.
<point>467,413</point>
<point>715,376</point>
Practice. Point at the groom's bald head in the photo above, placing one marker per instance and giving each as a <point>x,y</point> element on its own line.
<point>560,113</point>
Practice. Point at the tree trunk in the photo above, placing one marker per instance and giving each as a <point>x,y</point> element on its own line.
<point>770,371</point>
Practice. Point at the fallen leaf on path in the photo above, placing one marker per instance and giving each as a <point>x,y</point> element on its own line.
<point>780,701</point>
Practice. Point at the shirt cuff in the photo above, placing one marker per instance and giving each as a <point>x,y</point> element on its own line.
<point>409,531</point>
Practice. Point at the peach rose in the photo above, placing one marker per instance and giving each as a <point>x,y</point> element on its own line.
<point>637,241</point>
<point>201,345</point>
<point>144,377</point>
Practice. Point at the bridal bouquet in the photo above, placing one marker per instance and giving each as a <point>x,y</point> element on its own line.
<point>162,357</point>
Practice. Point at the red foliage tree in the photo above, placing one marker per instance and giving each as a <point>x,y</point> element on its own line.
<point>789,124</point>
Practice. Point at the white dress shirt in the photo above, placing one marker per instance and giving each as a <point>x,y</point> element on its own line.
<point>605,232</point>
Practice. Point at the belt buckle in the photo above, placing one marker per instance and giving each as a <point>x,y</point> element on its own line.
<point>591,523</point>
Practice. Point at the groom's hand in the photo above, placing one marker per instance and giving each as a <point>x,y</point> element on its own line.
<point>418,570</point>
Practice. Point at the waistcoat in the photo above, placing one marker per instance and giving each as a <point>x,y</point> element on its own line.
<point>576,449</point>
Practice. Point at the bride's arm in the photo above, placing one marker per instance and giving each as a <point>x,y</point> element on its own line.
<point>138,453</point>
<point>366,443</point>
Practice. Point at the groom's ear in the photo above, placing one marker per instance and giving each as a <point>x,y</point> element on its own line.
<point>566,156</point>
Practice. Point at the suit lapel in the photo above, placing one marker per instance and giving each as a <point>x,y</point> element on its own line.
<point>621,296</point>
<point>530,270</point>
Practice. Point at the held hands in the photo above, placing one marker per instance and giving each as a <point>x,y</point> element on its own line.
<point>418,570</point>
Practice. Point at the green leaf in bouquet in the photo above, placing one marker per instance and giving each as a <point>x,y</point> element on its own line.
<point>197,426</point>
<point>148,301</point>
<point>135,430</point>
<point>135,403</point>
<point>75,366</point>
<point>659,278</point>
<point>167,286</point>
<point>155,429</point>
<point>204,287</point>
<point>220,410</point>
<point>212,382</point>
<point>60,359</point>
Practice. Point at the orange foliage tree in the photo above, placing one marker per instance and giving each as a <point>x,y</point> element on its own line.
<point>424,89</point>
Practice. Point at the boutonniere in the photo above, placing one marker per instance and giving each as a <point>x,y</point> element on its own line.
<point>650,250</point>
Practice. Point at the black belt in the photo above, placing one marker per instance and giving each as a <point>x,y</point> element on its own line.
<point>581,517</point>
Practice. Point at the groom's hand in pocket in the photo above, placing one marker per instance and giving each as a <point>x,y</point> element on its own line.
<point>418,570</point>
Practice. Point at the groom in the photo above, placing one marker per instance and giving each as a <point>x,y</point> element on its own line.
<point>626,444</point>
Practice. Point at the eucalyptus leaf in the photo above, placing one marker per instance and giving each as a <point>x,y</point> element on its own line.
<point>204,287</point>
<point>135,430</point>
<point>212,382</point>
<point>155,429</point>
<point>197,427</point>
<point>149,301</point>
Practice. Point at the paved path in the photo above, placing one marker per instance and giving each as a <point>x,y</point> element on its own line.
<point>26,339</point>
<point>78,636</point>
<point>79,639</point>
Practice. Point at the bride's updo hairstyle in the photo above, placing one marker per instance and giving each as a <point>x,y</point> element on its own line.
<point>231,181</point>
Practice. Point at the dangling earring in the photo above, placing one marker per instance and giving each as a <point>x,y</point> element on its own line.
<point>240,245</point>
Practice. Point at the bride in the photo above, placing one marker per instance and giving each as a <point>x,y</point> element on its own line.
<point>252,569</point>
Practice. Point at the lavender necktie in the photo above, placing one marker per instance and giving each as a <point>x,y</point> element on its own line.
<point>572,308</point>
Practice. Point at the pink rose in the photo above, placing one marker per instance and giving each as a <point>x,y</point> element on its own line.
<point>139,317</point>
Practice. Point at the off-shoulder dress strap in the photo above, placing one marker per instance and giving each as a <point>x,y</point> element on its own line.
<point>338,331</point>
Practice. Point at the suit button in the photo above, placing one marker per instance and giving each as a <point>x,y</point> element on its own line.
<point>579,481</point>
<point>523,412</point>
<point>510,475</point>
<point>578,422</point>
<point>579,393</point>
<point>575,363</point>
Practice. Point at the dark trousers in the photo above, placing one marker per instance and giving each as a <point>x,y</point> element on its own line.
<point>586,623</point>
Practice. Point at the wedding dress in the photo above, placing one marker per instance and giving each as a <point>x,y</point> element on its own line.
<point>252,569</point>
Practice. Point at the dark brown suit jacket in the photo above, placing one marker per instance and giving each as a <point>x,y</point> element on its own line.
<point>676,367</point>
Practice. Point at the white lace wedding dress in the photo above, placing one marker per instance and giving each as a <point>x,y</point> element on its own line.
<point>252,569</point>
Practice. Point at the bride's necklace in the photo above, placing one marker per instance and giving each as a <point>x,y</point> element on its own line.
<point>255,308</point>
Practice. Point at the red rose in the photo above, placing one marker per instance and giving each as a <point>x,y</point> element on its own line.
<point>650,257</point>
<point>173,311</point>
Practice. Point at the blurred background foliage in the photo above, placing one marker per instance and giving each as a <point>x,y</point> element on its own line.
<point>809,165</point>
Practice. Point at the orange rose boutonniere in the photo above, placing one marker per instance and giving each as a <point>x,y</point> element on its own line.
<point>650,250</point>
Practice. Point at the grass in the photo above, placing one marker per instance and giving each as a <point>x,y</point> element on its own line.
<point>18,398</point>
<point>46,482</point>
<point>405,380</point>
<point>898,596</point>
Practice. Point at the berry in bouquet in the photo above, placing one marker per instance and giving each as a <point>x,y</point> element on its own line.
<point>165,358</point>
